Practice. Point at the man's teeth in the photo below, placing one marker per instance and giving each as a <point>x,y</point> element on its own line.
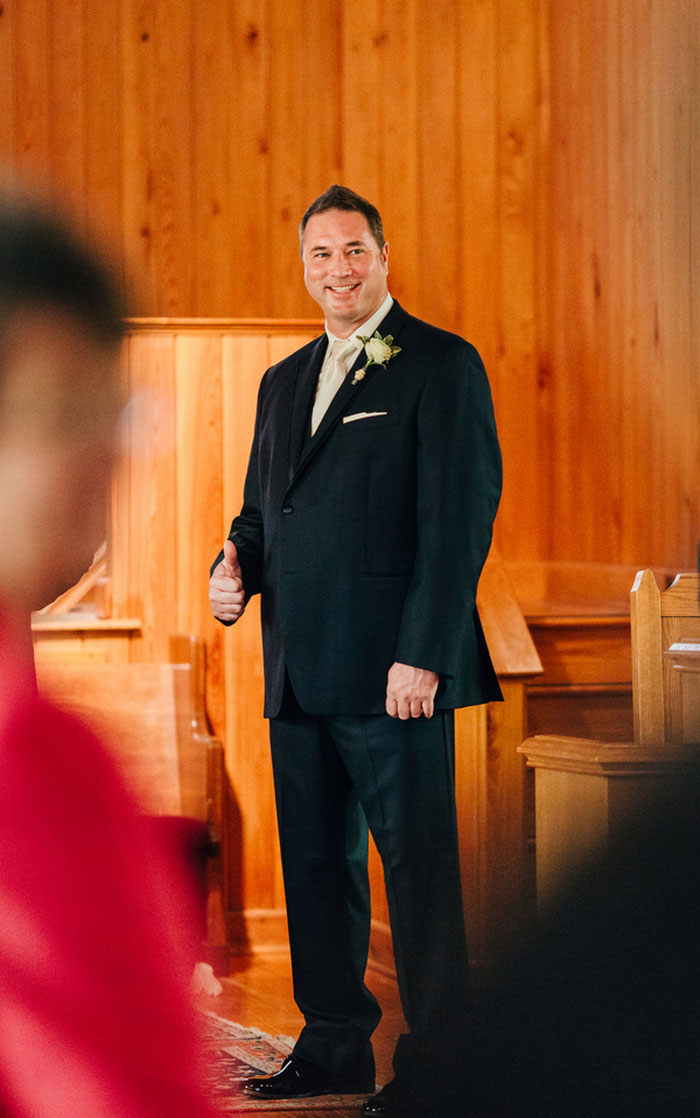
<point>349,287</point>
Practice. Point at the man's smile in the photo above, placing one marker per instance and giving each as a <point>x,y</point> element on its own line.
<point>345,288</point>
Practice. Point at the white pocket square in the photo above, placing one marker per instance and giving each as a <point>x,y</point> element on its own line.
<point>362,415</point>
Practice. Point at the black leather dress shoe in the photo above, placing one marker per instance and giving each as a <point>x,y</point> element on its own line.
<point>298,1080</point>
<point>391,1102</point>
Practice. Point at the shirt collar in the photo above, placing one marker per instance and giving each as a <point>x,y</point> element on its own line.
<point>366,328</point>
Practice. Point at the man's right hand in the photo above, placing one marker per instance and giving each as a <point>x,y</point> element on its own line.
<point>226,593</point>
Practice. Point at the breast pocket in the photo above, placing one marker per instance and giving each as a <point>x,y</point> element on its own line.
<point>368,420</point>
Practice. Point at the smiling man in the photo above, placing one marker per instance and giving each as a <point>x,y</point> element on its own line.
<point>373,482</point>
<point>345,268</point>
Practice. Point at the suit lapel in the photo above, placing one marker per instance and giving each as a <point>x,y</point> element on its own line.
<point>308,448</point>
<point>304,391</point>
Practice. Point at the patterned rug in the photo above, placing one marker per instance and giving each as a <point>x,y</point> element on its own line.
<point>234,1053</point>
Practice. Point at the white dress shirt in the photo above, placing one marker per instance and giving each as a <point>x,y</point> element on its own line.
<point>340,356</point>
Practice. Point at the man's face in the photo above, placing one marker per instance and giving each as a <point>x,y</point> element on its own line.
<point>345,271</point>
<point>58,412</point>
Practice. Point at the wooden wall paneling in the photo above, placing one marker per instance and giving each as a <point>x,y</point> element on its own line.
<point>587,255</point>
<point>304,137</point>
<point>621,93</point>
<point>440,192</point>
<point>693,372</point>
<point>216,248</point>
<point>566,363</point>
<point>199,481</point>
<point>542,278</point>
<point>247,748</point>
<point>689,452</point>
<point>157,143</point>
<point>640,365</point>
<point>604,313</point>
<point>8,54</point>
<point>32,94</point>
<point>525,482</point>
<point>120,506</point>
<point>153,561</point>
<point>281,345</point>
<point>66,37</point>
<point>379,108</point>
<point>246,94</point>
<point>194,137</point>
<point>319,147</point>
<point>172,159</point>
<point>508,891</point>
<point>138,171</point>
<point>477,153</point>
<point>102,116</point>
<point>399,93</point>
<point>390,167</point>
<point>677,198</point>
<point>694,135</point>
<point>471,772</point>
<point>364,51</point>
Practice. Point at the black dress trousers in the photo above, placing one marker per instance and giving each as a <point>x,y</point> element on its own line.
<point>333,775</point>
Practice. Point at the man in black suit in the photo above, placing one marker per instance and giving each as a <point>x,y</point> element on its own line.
<point>373,482</point>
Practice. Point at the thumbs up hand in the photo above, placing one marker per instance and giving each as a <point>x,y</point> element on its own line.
<point>226,593</point>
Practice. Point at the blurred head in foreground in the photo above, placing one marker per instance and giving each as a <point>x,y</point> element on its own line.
<point>60,330</point>
<point>98,924</point>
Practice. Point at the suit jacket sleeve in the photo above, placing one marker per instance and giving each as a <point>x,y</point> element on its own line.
<point>458,490</point>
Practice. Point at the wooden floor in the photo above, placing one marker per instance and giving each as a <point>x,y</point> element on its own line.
<point>259,994</point>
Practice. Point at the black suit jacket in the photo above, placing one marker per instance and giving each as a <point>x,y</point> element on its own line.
<point>367,540</point>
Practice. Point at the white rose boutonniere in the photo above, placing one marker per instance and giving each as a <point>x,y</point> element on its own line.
<point>378,350</point>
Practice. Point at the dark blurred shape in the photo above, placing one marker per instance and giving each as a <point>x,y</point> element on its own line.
<point>599,1013</point>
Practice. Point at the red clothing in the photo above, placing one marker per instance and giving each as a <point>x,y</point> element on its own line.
<point>96,930</point>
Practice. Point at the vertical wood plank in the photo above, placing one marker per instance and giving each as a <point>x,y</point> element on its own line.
<point>32,93</point>
<point>216,243</point>
<point>304,133</point>
<point>380,94</point>
<point>246,94</point>
<point>518,358</point>
<point>153,558</point>
<point>437,139</point>
<point>66,121</point>
<point>8,84</point>
<point>102,117</point>
<point>171,171</point>
<point>198,388</point>
<point>138,172</point>
<point>247,748</point>
<point>477,93</point>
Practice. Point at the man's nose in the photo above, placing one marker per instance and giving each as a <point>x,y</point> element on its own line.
<point>340,264</point>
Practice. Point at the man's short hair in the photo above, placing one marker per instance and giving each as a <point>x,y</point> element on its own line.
<point>342,198</point>
<point>44,265</point>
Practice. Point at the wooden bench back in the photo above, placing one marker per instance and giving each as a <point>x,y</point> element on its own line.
<point>152,717</point>
<point>666,660</point>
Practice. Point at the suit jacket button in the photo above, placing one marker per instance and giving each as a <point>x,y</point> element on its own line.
<point>287,509</point>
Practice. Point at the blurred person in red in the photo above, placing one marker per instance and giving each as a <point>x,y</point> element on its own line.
<point>97,926</point>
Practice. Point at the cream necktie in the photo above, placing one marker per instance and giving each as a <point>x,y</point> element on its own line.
<point>331,377</point>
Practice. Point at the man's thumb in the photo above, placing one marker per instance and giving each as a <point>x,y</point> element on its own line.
<point>230,556</point>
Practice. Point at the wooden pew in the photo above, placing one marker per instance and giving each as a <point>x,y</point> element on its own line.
<point>587,789</point>
<point>152,717</point>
